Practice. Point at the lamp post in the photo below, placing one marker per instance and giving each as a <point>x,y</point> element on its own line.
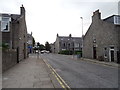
<point>82,32</point>
<point>82,25</point>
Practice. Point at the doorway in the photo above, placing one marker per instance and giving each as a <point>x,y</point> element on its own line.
<point>94,53</point>
<point>111,54</point>
<point>17,54</point>
<point>118,56</point>
<point>24,51</point>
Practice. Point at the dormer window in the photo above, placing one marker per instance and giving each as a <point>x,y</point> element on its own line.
<point>5,24</point>
<point>117,20</point>
<point>61,38</point>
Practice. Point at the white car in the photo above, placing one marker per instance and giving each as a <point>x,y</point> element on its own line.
<point>45,51</point>
<point>36,51</point>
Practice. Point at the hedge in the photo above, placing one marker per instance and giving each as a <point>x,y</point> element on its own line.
<point>67,52</point>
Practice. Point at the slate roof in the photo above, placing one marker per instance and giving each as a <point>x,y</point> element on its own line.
<point>14,17</point>
<point>110,17</point>
<point>67,38</point>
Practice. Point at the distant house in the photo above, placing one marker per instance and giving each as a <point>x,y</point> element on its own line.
<point>14,35</point>
<point>67,43</point>
<point>52,45</point>
<point>102,40</point>
<point>30,43</point>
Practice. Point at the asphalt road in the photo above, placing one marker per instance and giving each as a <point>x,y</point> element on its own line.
<point>83,74</point>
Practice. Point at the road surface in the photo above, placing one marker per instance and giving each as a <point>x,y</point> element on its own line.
<point>83,74</point>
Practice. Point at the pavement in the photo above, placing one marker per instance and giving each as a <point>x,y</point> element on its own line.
<point>29,73</point>
<point>0,81</point>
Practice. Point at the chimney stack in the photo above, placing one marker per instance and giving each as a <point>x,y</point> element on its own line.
<point>70,35</point>
<point>96,15</point>
<point>57,35</point>
<point>22,10</point>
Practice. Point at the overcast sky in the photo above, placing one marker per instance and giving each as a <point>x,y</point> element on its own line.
<point>46,18</point>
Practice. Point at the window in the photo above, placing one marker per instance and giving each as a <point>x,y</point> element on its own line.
<point>111,47</point>
<point>64,44</point>
<point>105,48</point>
<point>5,24</point>
<point>0,18</point>
<point>76,45</point>
<point>61,38</point>
<point>105,52</point>
<point>116,20</point>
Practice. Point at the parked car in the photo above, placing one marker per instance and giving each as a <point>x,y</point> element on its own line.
<point>36,51</point>
<point>44,51</point>
<point>47,52</point>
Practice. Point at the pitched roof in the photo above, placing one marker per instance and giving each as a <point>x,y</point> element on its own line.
<point>13,16</point>
<point>110,17</point>
<point>66,38</point>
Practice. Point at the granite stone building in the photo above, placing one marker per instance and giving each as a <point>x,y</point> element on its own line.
<point>67,43</point>
<point>14,36</point>
<point>30,43</point>
<point>102,40</point>
<point>52,45</point>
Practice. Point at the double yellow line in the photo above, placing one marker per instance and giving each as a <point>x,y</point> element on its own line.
<point>59,79</point>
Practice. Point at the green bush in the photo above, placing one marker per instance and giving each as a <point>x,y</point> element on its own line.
<point>66,52</point>
<point>5,46</point>
<point>78,52</point>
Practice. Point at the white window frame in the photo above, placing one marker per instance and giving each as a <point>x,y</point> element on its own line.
<point>61,38</point>
<point>117,20</point>
<point>0,18</point>
<point>110,49</point>
<point>9,19</point>
<point>76,45</point>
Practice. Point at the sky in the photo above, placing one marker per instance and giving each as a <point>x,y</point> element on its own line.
<point>46,18</point>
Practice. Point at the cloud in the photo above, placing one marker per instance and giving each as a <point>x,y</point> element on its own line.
<point>46,18</point>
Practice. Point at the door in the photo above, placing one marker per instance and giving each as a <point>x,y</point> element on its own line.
<point>24,51</point>
<point>17,54</point>
<point>118,56</point>
<point>94,53</point>
<point>112,55</point>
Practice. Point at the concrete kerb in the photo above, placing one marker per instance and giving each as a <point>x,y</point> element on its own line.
<point>52,78</point>
<point>101,62</point>
<point>112,64</point>
<point>62,83</point>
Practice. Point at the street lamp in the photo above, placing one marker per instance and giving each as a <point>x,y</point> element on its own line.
<point>82,32</point>
<point>82,25</point>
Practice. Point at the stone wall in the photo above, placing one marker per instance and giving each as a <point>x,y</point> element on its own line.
<point>9,59</point>
<point>22,39</point>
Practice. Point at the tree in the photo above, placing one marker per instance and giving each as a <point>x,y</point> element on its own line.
<point>33,42</point>
<point>47,46</point>
<point>38,44</point>
<point>42,47</point>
